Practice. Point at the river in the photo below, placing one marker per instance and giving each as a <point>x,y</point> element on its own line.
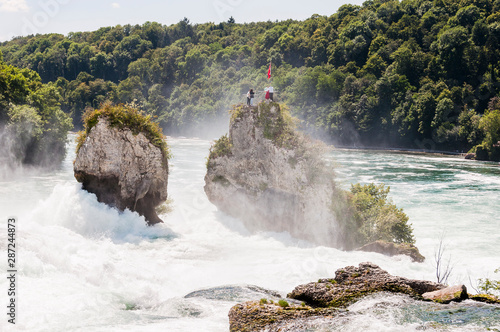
<point>83,266</point>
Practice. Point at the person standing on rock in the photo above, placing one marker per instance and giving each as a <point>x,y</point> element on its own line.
<point>252,95</point>
<point>248,97</point>
<point>271,92</point>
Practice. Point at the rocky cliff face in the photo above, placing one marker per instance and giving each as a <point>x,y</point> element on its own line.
<point>123,170</point>
<point>271,177</point>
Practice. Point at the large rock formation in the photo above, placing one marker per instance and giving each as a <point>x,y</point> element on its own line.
<point>123,169</point>
<point>272,178</point>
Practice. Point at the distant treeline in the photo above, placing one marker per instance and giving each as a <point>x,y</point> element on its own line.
<point>415,73</point>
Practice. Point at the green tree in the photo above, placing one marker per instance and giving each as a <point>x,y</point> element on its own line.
<point>376,217</point>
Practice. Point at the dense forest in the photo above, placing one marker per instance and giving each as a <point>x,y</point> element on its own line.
<point>414,74</point>
<point>33,128</point>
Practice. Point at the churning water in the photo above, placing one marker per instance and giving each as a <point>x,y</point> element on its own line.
<point>86,267</point>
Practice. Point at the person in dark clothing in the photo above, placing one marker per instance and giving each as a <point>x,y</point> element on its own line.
<point>250,96</point>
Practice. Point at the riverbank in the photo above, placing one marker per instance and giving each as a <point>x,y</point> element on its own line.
<point>403,150</point>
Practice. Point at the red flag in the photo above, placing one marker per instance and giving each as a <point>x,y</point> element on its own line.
<point>269,71</point>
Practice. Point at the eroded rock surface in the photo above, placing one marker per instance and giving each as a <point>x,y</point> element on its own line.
<point>123,170</point>
<point>324,300</point>
<point>351,283</point>
<point>273,178</point>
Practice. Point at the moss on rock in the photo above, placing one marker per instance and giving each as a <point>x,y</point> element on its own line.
<point>125,116</point>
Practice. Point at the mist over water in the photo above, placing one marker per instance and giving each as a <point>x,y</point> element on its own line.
<point>84,266</point>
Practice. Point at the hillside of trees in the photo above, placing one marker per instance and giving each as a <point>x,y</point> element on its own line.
<point>33,128</point>
<point>415,74</point>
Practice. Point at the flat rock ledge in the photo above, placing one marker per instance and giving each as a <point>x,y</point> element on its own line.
<point>449,294</point>
<point>123,170</point>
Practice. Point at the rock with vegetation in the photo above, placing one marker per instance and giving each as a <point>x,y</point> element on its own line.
<point>265,315</point>
<point>317,305</point>
<point>371,216</point>
<point>352,283</point>
<point>272,177</point>
<point>123,159</point>
<point>446,295</point>
<point>486,298</point>
<point>325,299</point>
<point>393,249</point>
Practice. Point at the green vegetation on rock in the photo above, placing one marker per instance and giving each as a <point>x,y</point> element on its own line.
<point>125,116</point>
<point>221,147</point>
<point>377,218</point>
<point>283,303</point>
<point>278,127</point>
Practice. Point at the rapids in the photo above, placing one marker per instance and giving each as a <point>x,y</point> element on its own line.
<point>83,266</point>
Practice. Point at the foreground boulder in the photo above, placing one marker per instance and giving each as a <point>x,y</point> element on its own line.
<point>121,167</point>
<point>351,283</point>
<point>325,301</point>
<point>272,178</point>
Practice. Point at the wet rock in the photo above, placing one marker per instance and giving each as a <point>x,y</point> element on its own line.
<point>453,293</point>
<point>486,298</point>
<point>351,283</point>
<point>470,156</point>
<point>258,316</point>
<point>235,292</point>
<point>393,249</point>
<point>324,300</point>
<point>123,170</point>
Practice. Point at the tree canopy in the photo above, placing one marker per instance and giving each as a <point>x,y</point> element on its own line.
<point>33,125</point>
<point>411,73</point>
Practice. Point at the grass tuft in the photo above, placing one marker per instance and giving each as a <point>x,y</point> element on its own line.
<point>125,116</point>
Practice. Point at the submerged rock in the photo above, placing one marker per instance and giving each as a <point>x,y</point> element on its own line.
<point>393,249</point>
<point>273,178</point>
<point>486,298</point>
<point>123,169</point>
<point>234,292</point>
<point>449,294</point>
